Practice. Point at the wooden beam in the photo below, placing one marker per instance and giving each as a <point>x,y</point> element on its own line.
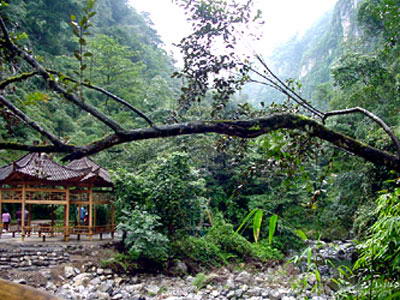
<point>19,201</point>
<point>112,220</point>
<point>56,202</point>
<point>90,212</point>
<point>94,214</point>
<point>66,223</point>
<point>1,211</point>
<point>23,213</point>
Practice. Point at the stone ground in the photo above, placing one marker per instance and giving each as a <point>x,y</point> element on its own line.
<point>82,277</point>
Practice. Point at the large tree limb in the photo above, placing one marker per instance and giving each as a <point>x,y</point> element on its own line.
<point>17,78</point>
<point>249,129</point>
<point>370,115</point>
<point>244,129</point>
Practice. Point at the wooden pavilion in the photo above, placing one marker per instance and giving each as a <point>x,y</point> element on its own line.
<point>35,179</point>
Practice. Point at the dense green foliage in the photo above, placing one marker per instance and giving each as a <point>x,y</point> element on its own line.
<point>185,197</point>
<point>143,240</point>
<point>170,189</point>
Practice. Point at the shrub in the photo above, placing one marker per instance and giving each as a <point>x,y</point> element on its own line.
<point>176,194</point>
<point>264,251</point>
<point>223,235</point>
<point>199,251</point>
<point>120,262</point>
<point>143,241</point>
<point>379,253</point>
<point>169,188</point>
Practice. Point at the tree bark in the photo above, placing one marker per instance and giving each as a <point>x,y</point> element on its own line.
<point>237,128</point>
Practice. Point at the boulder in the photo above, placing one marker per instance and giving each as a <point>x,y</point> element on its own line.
<point>69,271</point>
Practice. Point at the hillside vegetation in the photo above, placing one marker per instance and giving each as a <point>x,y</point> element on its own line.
<point>211,200</point>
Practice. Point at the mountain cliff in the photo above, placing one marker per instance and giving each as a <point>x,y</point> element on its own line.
<point>310,57</point>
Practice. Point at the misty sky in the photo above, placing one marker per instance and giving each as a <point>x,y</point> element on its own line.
<point>283,19</point>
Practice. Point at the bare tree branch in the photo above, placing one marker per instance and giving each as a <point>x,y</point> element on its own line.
<point>287,88</point>
<point>109,94</point>
<point>281,89</point>
<point>21,115</point>
<point>370,115</point>
<point>17,78</point>
<point>53,85</point>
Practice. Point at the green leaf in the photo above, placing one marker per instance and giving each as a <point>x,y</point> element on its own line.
<point>317,276</point>
<point>257,220</point>
<point>246,220</point>
<point>90,4</point>
<point>272,227</point>
<point>301,234</point>
<point>309,256</point>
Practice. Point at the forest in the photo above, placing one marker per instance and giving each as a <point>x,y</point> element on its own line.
<point>231,159</point>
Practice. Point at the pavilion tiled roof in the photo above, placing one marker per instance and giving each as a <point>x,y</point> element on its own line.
<point>40,168</point>
<point>98,176</point>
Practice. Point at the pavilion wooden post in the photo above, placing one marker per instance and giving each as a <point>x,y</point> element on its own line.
<point>94,213</point>
<point>23,213</point>
<point>29,219</point>
<point>90,212</point>
<point>78,217</point>
<point>1,212</point>
<point>112,220</point>
<point>1,208</point>
<point>66,215</point>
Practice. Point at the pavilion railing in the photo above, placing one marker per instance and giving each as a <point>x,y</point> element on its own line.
<point>33,195</point>
<point>47,195</point>
<point>11,194</point>
<point>59,230</point>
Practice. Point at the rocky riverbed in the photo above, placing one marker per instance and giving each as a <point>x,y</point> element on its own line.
<point>85,279</point>
<point>97,283</point>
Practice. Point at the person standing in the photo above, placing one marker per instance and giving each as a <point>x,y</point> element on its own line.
<point>6,219</point>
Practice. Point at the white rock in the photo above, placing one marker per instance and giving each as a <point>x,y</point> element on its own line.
<point>69,271</point>
<point>102,296</point>
<point>95,281</point>
<point>82,279</point>
<point>100,271</point>
<point>244,277</point>
<point>152,289</point>
<point>50,286</point>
